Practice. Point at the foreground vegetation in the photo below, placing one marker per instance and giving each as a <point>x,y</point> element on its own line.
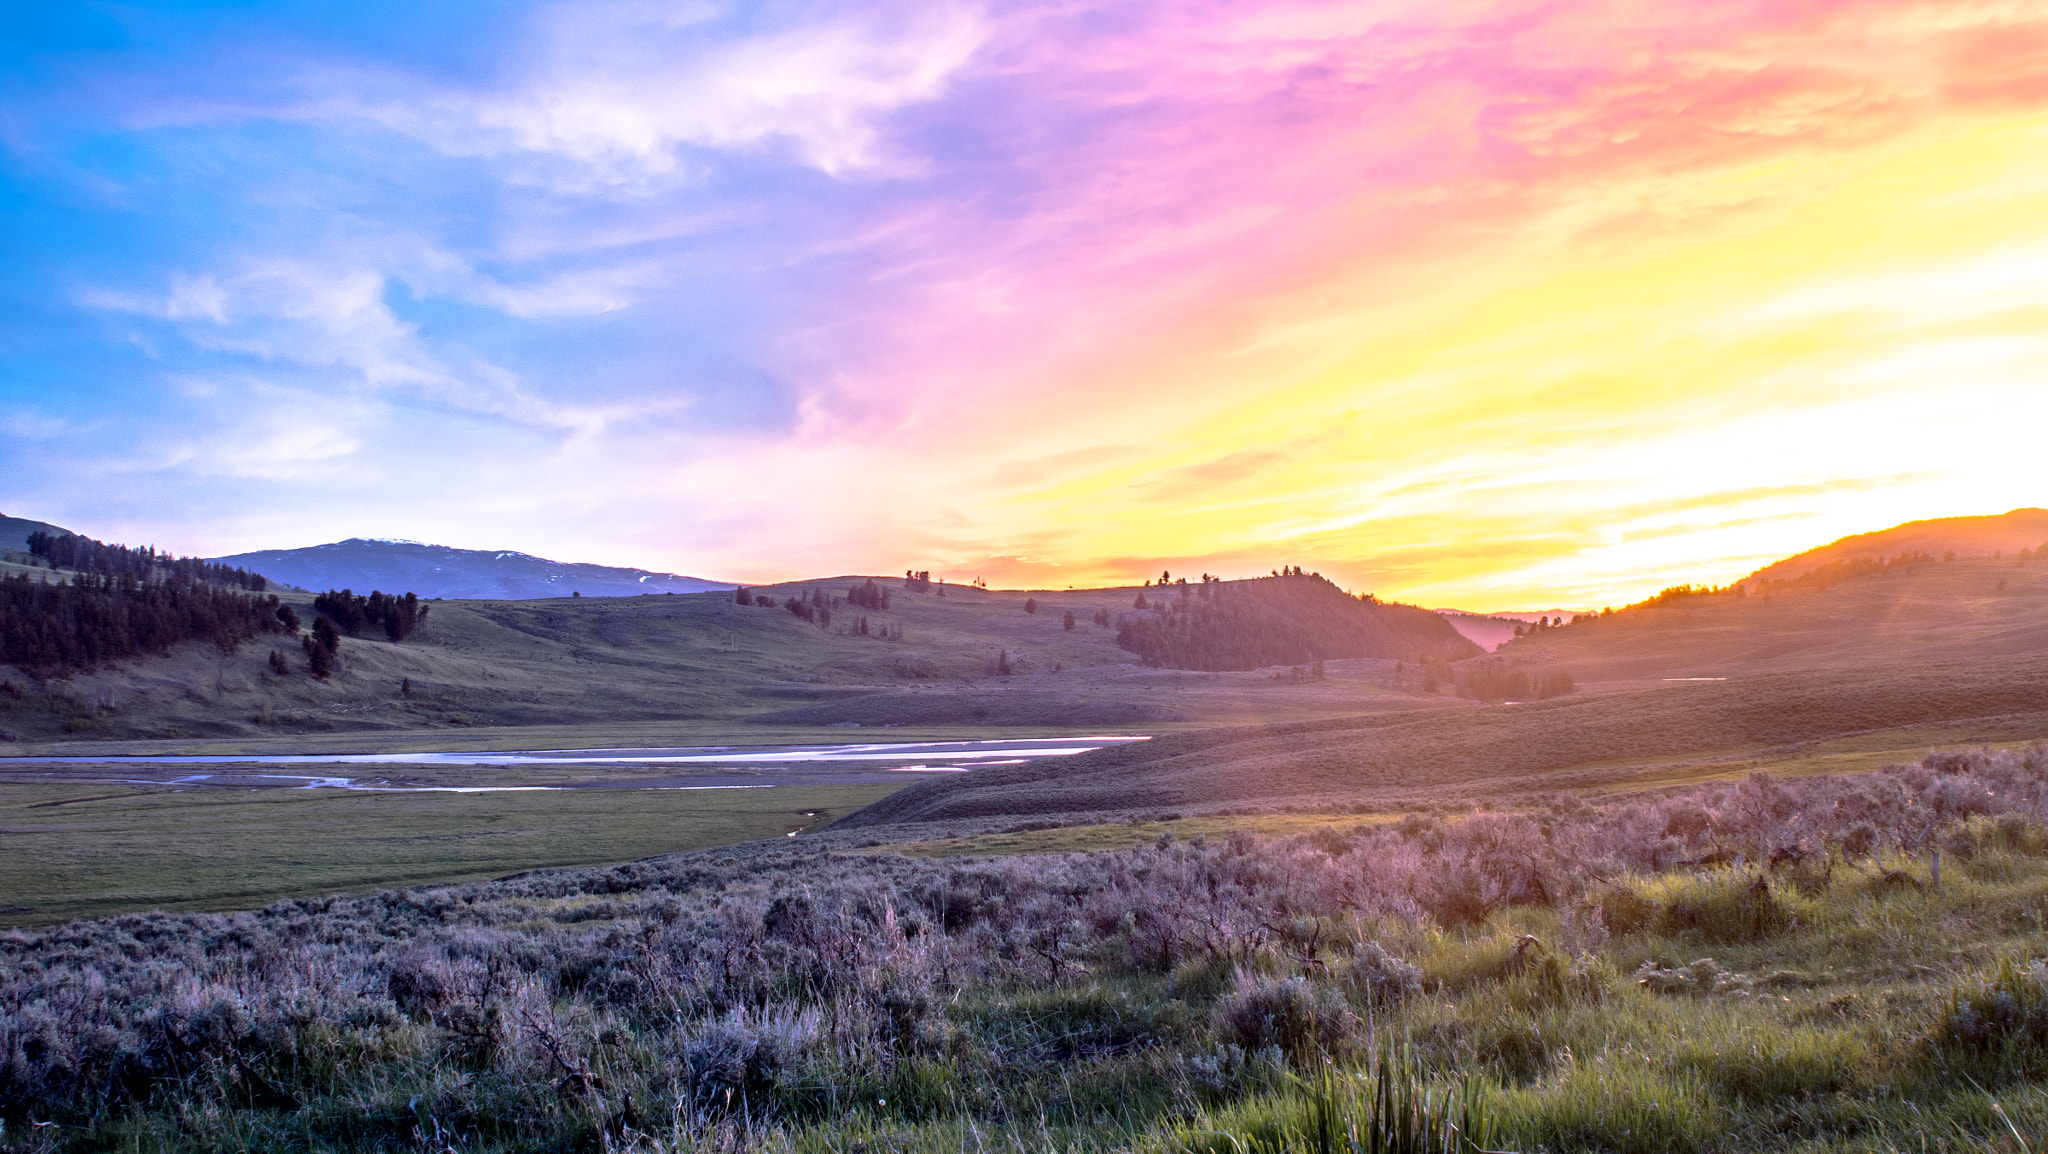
<point>1757,965</point>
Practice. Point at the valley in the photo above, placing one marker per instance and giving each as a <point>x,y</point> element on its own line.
<point>594,791</point>
<point>1683,690</point>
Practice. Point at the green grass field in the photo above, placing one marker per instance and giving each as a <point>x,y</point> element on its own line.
<point>90,849</point>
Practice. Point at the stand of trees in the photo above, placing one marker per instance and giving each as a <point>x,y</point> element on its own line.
<point>52,627</point>
<point>396,616</point>
<point>1492,681</point>
<point>869,596</point>
<point>66,551</point>
<point>812,606</point>
<point>1291,619</point>
<point>323,647</point>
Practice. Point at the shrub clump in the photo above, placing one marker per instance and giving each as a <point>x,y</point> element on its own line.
<point>1380,977</point>
<point>1296,1016</point>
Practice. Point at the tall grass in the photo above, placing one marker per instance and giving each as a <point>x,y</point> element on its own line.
<point>1393,1107</point>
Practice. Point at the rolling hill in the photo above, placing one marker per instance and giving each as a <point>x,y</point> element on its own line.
<point>439,571</point>
<point>968,657</point>
<point>1714,676</point>
<point>1967,609</point>
<point>1967,537</point>
<point>926,660</point>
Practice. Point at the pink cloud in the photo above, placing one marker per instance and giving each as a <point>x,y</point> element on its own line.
<point>1132,176</point>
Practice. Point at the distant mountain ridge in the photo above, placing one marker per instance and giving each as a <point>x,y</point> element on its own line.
<point>363,564</point>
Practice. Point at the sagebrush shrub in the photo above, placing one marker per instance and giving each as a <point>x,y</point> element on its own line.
<point>1300,1017</point>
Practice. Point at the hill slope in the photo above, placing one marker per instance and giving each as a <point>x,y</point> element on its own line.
<point>926,660</point>
<point>1971,608</point>
<point>1966,536</point>
<point>439,571</point>
<point>1285,619</point>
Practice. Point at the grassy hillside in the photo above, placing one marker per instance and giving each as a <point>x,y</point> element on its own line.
<point>1969,537</point>
<point>699,659</point>
<point>1900,615</point>
<point>937,660</point>
<point>1402,759</point>
<point>1286,619</point>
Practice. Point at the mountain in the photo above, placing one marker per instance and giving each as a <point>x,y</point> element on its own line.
<point>1964,536</point>
<point>14,532</point>
<point>439,571</point>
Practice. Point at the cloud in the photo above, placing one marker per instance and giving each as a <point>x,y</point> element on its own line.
<point>338,319</point>
<point>621,93</point>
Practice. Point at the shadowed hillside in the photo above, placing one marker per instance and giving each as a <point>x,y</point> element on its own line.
<point>15,532</point>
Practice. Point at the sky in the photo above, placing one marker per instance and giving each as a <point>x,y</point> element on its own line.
<point>1487,304</point>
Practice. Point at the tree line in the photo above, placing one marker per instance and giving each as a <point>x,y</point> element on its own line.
<point>56,626</point>
<point>69,551</point>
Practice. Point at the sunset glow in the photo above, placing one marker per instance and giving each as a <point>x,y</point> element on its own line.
<point>1481,304</point>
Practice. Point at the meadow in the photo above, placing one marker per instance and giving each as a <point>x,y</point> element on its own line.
<point>1817,963</point>
<point>1391,760</point>
<point>79,848</point>
<point>70,850</point>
